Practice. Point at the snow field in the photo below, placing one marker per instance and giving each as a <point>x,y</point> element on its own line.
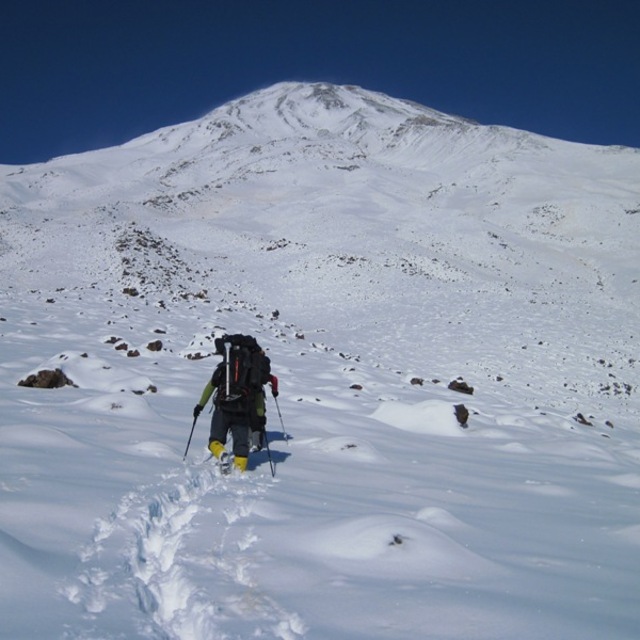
<point>449,251</point>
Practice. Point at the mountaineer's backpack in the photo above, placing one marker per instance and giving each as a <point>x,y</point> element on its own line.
<point>241,374</point>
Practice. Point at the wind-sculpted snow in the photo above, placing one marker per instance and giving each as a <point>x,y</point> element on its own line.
<point>430,417</point>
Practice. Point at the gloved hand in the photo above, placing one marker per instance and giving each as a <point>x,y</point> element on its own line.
<point>197,410</point>
<point>274,386</point>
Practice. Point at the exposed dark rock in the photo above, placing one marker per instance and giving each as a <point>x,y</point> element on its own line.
<point>582,420</point>
<point>462,414</point>
<point>151,389</point>
<point>461,386</point>
<point>47,379</point>
<point>198,356</point>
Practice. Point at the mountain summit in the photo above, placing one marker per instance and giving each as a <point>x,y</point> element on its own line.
<point>296,127</point>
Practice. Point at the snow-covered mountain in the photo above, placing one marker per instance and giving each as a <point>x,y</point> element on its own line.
<point>379,250</point>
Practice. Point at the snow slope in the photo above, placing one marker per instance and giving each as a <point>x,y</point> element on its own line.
<point>378,250</point>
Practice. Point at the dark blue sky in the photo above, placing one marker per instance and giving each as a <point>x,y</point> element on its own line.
<point>85,74</point>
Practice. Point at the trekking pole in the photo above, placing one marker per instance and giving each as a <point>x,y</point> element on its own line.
<point>266,441</point>
<point>190,436</point>
<point>286,435</point>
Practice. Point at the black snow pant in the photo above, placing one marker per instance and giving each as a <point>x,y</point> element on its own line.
<point>223,423</point>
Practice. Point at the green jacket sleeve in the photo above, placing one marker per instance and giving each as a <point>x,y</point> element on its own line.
<point>206,394</point>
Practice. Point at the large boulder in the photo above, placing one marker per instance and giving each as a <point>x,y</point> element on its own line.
<point>47,379</point>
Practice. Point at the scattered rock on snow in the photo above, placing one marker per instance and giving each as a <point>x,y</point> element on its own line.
<point>582,420</point>
<point>462,414</point>
<point>47,379</point>
<point>197,356</point>
<point>150,389</point>
<point>461,386</point>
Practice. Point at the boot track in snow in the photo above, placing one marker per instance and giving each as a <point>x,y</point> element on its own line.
<point>166,537</point>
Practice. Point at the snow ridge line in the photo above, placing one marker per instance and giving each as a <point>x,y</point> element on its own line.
<point>156,586</point>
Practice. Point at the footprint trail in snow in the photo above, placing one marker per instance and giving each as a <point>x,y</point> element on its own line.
<point>165,542</point>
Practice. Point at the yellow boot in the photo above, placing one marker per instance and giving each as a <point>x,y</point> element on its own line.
<point>216,448</point>
<point>240,463</point>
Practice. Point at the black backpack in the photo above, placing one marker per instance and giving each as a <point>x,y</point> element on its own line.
<point>241,374</point>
